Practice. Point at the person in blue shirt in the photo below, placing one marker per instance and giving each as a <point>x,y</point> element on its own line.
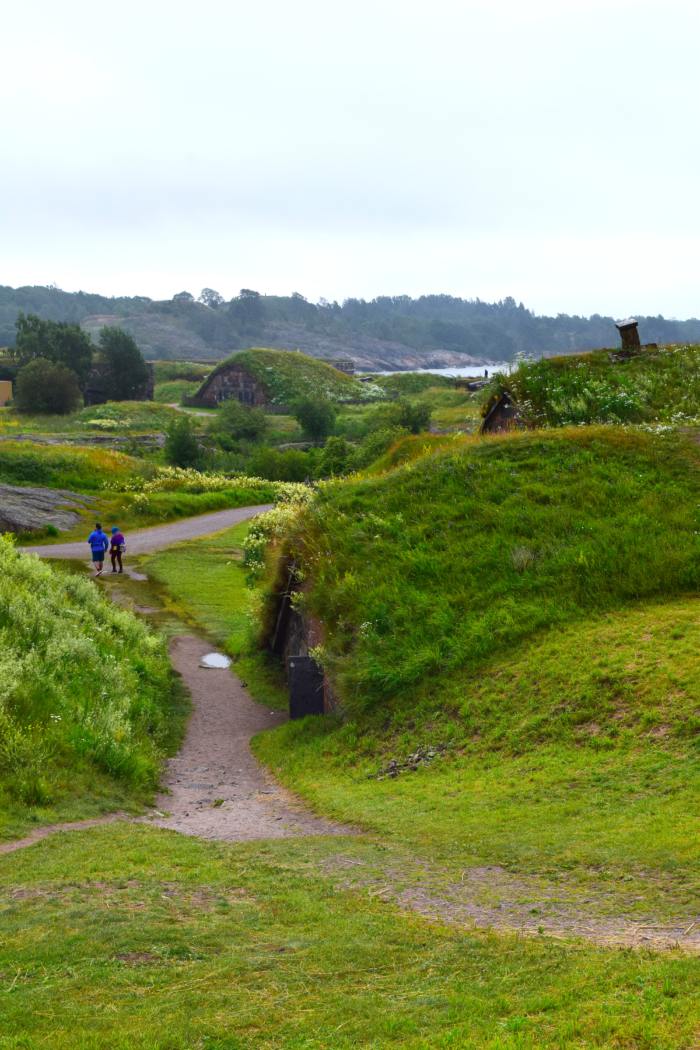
<point>98,545</point>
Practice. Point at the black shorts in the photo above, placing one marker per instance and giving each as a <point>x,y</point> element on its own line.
<point>98,555</point>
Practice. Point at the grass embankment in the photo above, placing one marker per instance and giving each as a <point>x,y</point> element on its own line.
<point>88,704</point>
<point>530,602</point>
<point>286,376</point>
<point>587,388</point>
<point>119,417</point>
<point>129,937</point>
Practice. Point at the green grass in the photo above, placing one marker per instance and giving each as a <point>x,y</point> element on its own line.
<point>204,582</point>
<point>589,388</point>
<point>88,702</point>
<point>83,469</point>
<point>170,393</point>
<point>580,752</point>
<point>132,937</point>
<point>469,550</point>
<point>285,375</point>
<point>119,417</point>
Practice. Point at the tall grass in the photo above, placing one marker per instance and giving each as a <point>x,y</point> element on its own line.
<point>81,681</point>
<point>451,559</point>
<point>23,463</point>
<point>589,388</point>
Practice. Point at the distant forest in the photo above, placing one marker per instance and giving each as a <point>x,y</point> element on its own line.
<point>496,331</point>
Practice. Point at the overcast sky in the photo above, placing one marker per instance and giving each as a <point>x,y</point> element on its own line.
<point>545,150</point>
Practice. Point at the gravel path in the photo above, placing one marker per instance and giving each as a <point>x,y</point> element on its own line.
<point>216,763</point>
<point>149,540</point>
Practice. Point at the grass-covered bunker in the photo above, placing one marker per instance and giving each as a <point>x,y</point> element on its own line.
<point>275,377</point>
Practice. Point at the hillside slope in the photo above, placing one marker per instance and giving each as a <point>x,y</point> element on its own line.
<point>386,332</point>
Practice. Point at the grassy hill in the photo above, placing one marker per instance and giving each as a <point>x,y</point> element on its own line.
<point>661,384</point>
<point>529,603</point>
<point>87,703</point>
<point>285,376</point>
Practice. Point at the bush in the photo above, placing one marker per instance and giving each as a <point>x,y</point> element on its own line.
<point>181,445</point>
<point>272,465</point>
<point>315,415</point>
<point>235,421</point>
<point>47,388</point>
<point>377,443</point>
<point>338,457</point>
<point>412,415</point>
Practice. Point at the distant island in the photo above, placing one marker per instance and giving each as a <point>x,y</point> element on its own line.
<point>385,334</point>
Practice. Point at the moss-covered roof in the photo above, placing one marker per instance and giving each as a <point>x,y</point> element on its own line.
<point>285,376</point>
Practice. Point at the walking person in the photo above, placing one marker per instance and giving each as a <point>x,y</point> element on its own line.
<point>98,545</point>
<point>117,549</point>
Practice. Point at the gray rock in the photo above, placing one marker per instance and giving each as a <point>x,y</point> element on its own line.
<point>24,508</point>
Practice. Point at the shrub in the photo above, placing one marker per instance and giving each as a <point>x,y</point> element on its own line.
<point>315,415</point>
<point>377,443</point>
<point>338,457</point>
<point>235,421</point>
<point>181,445</point>
<point>47,388</point>
<point>281,466</point>
<point>408,413</point>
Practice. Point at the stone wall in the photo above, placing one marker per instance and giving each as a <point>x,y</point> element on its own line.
<point>232,382</point>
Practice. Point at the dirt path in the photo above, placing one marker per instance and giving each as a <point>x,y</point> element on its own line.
<point>149,540</point>
<point>216,763</point>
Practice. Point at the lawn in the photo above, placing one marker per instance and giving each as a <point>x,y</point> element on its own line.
<point>126,936</point>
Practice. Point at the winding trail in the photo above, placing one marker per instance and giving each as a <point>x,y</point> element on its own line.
<point>149,540</point>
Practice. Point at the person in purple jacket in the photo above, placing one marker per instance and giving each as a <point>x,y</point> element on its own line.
<point>117,549</point>
<point>98,545</point>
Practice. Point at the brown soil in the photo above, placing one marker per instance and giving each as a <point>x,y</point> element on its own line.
<point>489,897</point>
<point>216,788</point>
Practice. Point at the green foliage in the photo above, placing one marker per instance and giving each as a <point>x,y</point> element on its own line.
<point>590,388</point>
<point>410,414</point>
<point>425,570</point>
<point>337,458</point>
<point>377,442</point>
<point>123,416</point>
<point>55,341</point>
<point>86,470</point>
<point>128,372</point>
<point>290,465</point>
<point>315,416</point>
<point>235,421</point>
<point>81,680</point>
<point>48,388</point>
<point>181,445</point>
<point>171,371</point>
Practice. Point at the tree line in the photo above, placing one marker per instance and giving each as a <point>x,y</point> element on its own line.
<point>495,331</point>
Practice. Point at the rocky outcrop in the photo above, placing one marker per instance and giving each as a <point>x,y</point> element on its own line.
<point>27,509</point>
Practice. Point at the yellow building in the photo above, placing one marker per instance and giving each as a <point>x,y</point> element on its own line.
<point>5,392</point>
